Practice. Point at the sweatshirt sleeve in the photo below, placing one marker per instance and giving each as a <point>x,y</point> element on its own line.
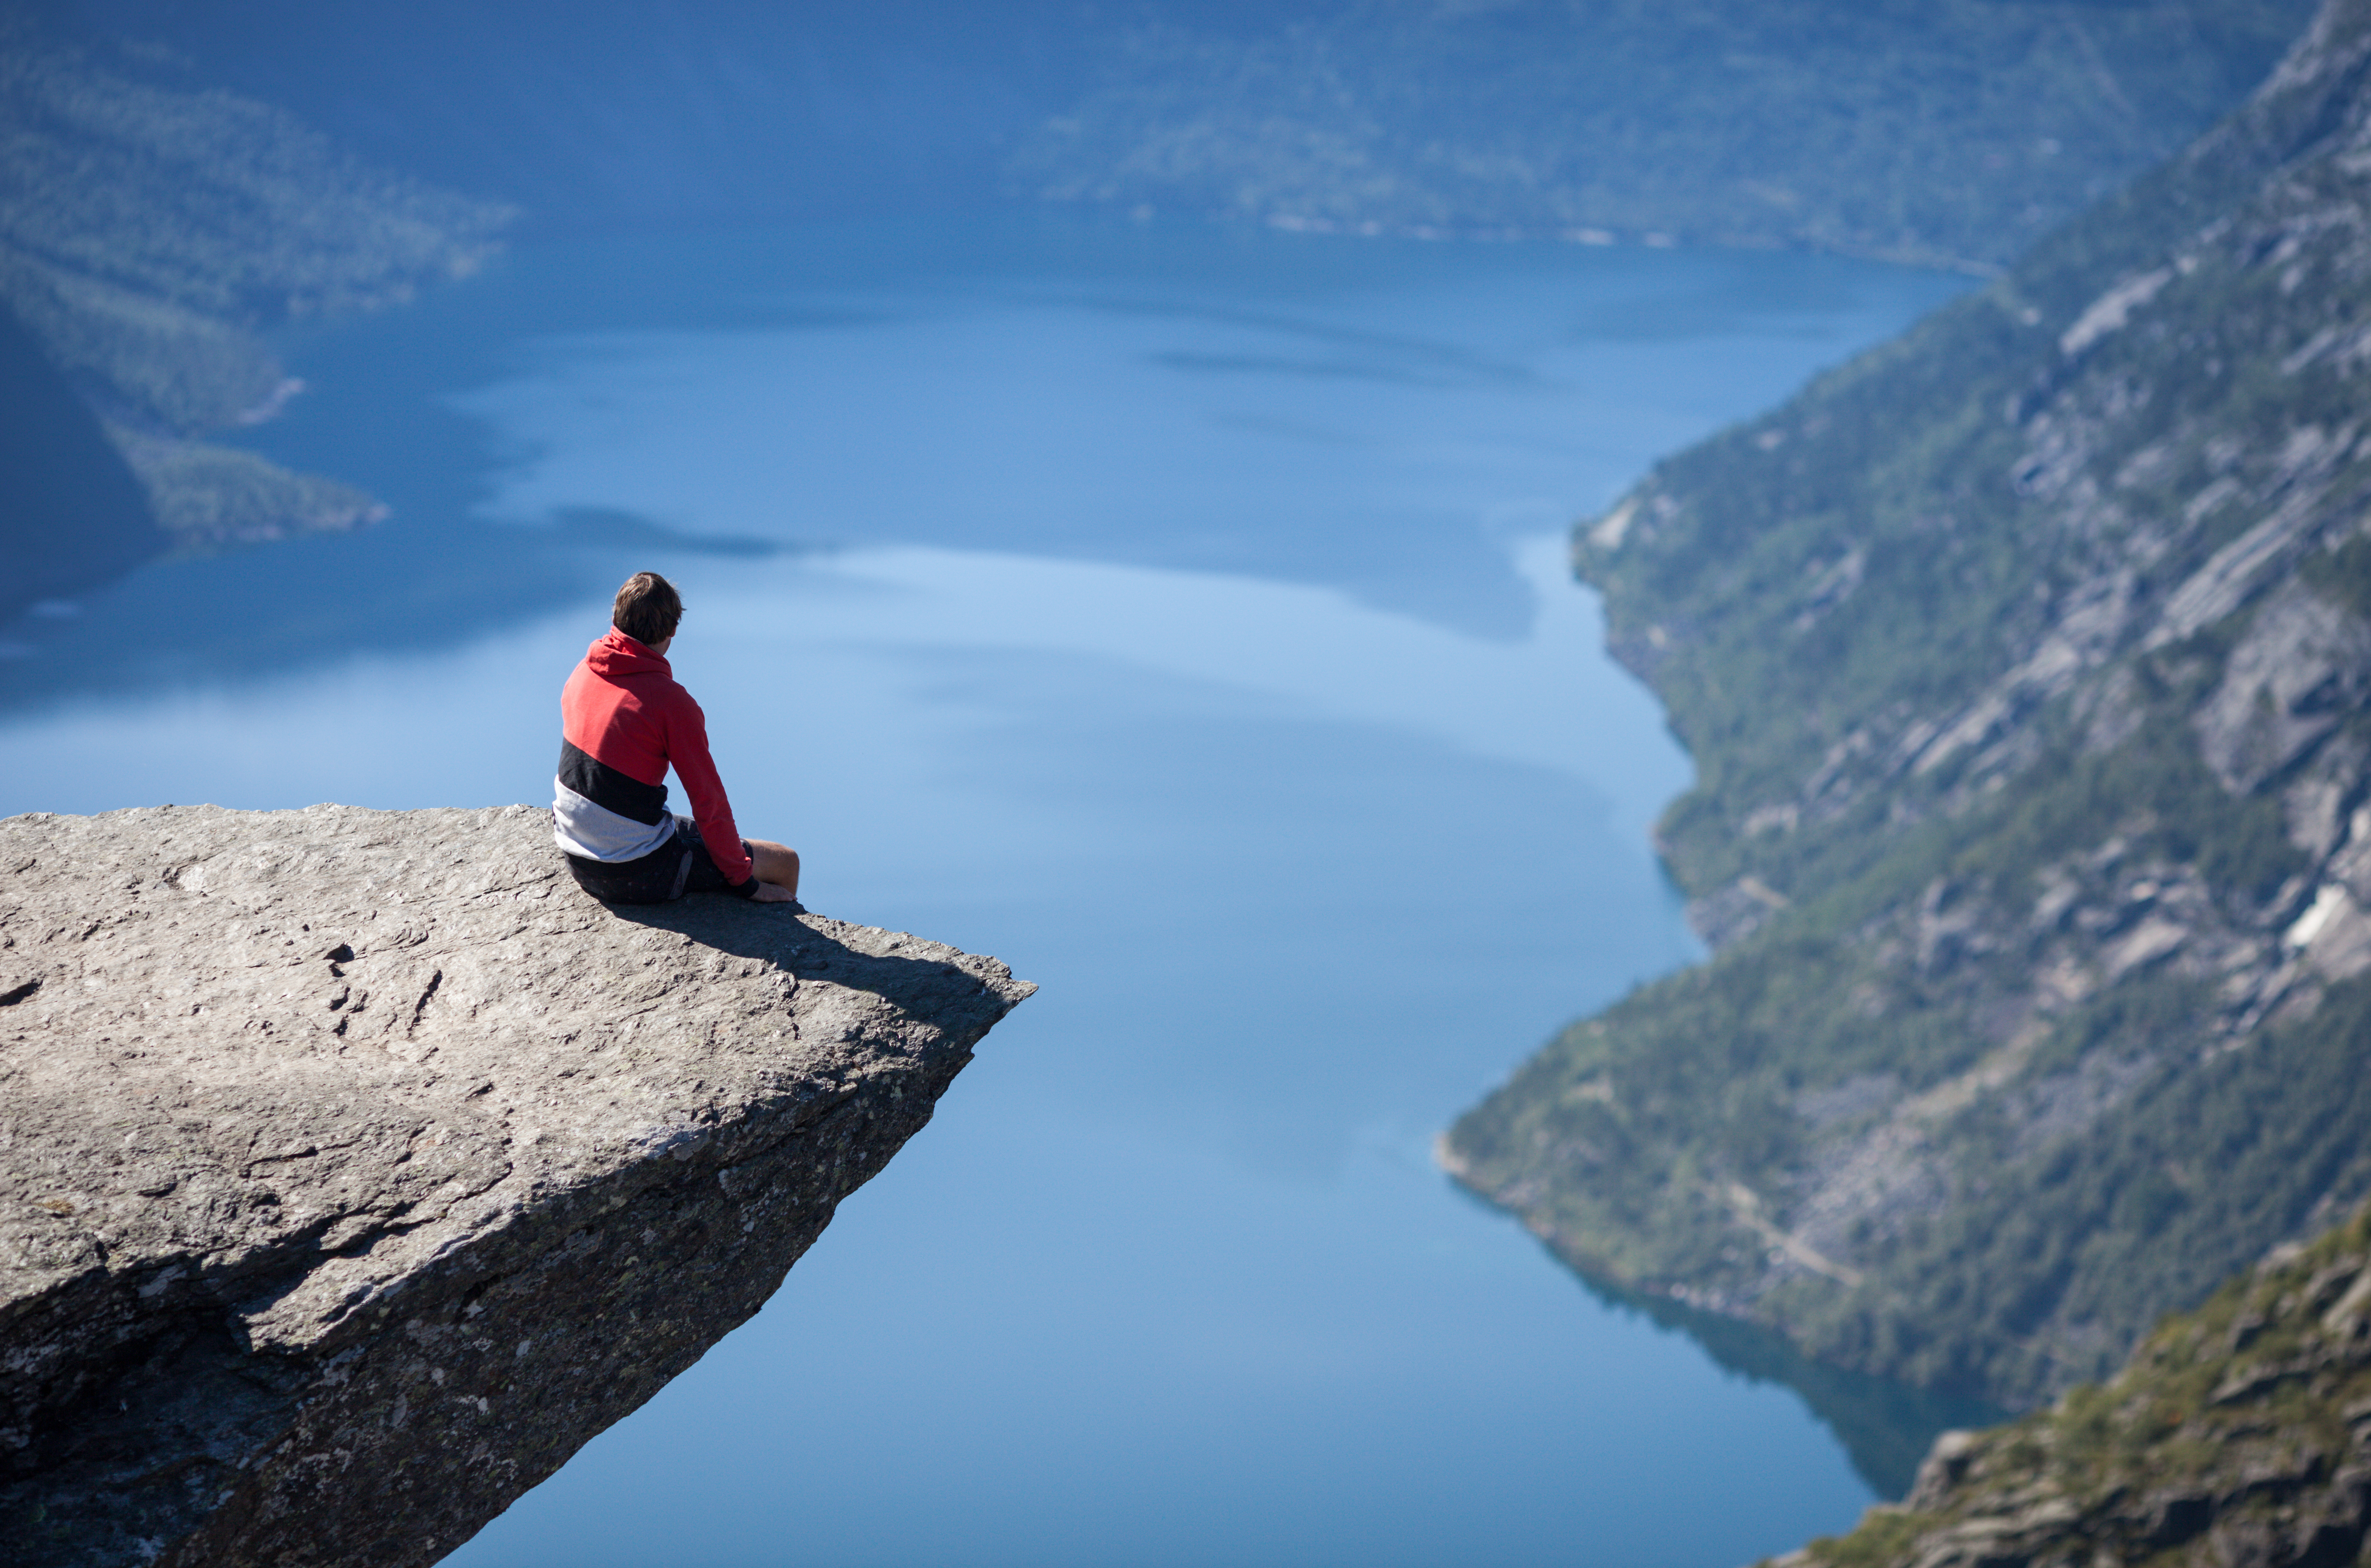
<point>688,751</point>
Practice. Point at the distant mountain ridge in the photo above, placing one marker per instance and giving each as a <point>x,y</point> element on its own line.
<point>2026,662</point>
<point>1948,133</point>
<point>608,113</point>
<point>1930,130</point>
<point>152,221</point>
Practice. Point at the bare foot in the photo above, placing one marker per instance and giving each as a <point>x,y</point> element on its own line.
<point>768,892</point>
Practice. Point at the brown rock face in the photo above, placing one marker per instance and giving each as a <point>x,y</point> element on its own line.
<point>356,1168</point>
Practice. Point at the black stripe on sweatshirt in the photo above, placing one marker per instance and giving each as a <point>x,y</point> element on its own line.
<point>610,790</point>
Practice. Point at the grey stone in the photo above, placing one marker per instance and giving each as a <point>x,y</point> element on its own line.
<point>2303,666</point>
<point>1734,913</point>
<point>356,1168</point>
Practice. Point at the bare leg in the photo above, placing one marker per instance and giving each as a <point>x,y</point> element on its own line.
<point>777,866</point>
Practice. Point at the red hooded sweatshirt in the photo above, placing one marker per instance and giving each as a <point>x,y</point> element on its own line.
<point>623,721</point>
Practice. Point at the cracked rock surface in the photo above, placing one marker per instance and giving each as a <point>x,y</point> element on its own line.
<point>356,1168</point>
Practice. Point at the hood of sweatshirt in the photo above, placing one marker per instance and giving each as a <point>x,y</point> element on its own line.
<point>617,656</point>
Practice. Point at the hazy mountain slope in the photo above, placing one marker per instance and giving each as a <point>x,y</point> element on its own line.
<point>146,232</point>
<point>1940,130</point>
<point>1959,129</point>
<point>73,509</point>
<point>2025,664</point>
<point>601,112</point>
<point>2239,1434</point>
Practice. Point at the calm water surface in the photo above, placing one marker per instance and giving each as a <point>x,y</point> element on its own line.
<point>1179,615</point>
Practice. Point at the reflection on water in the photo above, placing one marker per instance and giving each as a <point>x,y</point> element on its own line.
<point>1884,1425</point>
<point>1181,615</point>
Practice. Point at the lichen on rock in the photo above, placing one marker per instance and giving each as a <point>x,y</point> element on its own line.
<point>356,1168</point>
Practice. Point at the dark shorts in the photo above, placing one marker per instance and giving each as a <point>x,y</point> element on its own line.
<point>681,865</point>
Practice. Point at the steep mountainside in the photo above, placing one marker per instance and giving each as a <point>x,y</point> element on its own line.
<point>1951,131</point>
<point>2025,664</point>
<point>146,232</point>
<point>2239,1434</point>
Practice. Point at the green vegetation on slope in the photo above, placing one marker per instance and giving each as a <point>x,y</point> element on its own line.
<point>1953,131</point>
<point>2026,664</point>
<point>2239,1433</point>
<point>146,232</point>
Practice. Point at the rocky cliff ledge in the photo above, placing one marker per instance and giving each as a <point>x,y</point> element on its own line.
<point>356,1168</point>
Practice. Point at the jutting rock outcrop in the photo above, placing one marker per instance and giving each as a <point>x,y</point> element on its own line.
<point>356,1168</point>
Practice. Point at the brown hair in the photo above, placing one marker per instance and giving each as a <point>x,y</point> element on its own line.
<point>647,608</point>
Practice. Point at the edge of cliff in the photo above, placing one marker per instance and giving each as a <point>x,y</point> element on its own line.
<point>356,1168</point>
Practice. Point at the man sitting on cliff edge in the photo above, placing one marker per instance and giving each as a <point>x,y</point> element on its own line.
<point>623,721</point>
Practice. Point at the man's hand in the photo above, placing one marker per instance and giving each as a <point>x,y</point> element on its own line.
<point>769,893</point>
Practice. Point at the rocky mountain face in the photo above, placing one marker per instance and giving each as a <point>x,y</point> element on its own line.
<point>2241,1434</point>
<point>356,1168</point>
<point>2025,664</point>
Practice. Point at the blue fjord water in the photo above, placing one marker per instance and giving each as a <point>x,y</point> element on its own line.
<point>1179,615</point>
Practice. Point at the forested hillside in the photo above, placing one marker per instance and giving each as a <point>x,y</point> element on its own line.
<point>2025,663</point>
<point>1952,132</point>
<point>1956,130</point>
<point>146,233</point>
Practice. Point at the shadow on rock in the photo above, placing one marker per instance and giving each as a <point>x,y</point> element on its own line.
<point>808,945</point>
